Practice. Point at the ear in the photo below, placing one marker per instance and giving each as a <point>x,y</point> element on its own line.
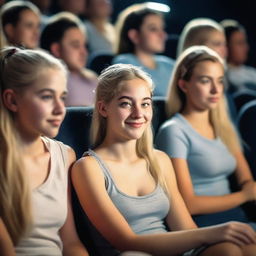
<point>9,31</point>
<point>9,100</point>
<point>55,49</point>
<point>102,108</point>
<point>133,35</point>
<point>182,85</point>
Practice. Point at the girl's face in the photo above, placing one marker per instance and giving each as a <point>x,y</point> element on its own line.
<point>26,31</point>
<point>72,49</point>
<point>130,112</point>
<point>238,48</point>
<point>151,35</point>
<point>40,107</point>
<point>217,42</point>
<point>205,88</point>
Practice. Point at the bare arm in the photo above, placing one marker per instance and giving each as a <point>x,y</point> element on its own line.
<point>6,246</point>
<point>89,184</point>
<point>210,204</point>
<point>71,243</point>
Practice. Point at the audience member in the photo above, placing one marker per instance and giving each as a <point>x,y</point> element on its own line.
<point>20,22</point>
<point>101,33</point>
<point>64,37</point>
<point>239,75</point>
<point>34,198</point>
<point>202,142</point>
<point>128,189</point>
<point>203,31</point>
<point>141,36</point>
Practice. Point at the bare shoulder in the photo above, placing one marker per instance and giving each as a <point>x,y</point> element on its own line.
<point>163,159</point>
<point>87,166</point>
<point>164,162</point>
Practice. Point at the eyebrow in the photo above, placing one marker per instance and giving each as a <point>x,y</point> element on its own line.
<point>50,90</point>
<point>130,98</point>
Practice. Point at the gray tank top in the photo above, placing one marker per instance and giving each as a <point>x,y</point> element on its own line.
<point>145,214</point>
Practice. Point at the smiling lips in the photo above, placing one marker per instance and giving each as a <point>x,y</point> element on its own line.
<point>135,125</point>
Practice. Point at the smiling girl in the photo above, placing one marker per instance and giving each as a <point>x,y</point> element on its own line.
<point>128,189</point>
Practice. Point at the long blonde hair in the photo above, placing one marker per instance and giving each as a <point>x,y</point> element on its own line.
<point>19,69</point>
<point>196,32</point>
<point>176,98</point>
<point>110,84</point>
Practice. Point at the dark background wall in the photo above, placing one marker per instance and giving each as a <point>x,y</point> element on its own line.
<point>183,11</point>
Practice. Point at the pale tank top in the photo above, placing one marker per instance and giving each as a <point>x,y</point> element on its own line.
<point>49,207</point>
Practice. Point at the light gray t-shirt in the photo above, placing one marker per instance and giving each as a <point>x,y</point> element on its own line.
<point>160,75</point>
<point>209,161</point>
<point>49,207</point>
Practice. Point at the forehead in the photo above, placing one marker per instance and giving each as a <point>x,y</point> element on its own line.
<point>152,19</point>
<point>51,78</point>
<point>135,87</point>
<point>216,35</point>
<point>208,67</point>
<point>28,15</point>
<point>74,33</point>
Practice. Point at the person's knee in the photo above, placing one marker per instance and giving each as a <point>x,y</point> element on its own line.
<point>249,250</point>
<point>223,249</point>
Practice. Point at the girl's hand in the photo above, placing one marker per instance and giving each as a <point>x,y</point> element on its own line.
<point>234,232</point>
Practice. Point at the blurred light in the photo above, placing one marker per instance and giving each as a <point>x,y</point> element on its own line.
<point>158,7</point>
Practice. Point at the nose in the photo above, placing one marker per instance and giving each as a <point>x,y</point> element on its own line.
<point>215,88</point>
<point>137,112</point>
<point>59,107</point>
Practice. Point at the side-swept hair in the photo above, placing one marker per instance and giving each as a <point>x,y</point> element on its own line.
<point>19,69</point>
<point>110,84</point>
<point>176,98</point>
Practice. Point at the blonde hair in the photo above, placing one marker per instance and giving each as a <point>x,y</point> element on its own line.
<point>176,98</point>
<point>196,32</point>
<point>19,69</point>
<point>110,84</point>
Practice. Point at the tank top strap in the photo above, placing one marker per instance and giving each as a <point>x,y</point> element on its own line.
<point>107,175</point>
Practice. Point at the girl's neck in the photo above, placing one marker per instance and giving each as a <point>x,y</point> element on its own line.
<point>196,116</point>
<point>33,147</point>
<point>119,151</point>
<point>147,59</point>
<point>99,23</point>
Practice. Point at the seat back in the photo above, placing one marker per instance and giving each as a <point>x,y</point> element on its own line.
<point>247,127</point>
<point>75,129</point>
<point>159,114</point>
<point>99,61</point>
<point>242,97</point>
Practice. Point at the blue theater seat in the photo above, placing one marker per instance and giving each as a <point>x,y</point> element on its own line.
<point>75,129</point>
